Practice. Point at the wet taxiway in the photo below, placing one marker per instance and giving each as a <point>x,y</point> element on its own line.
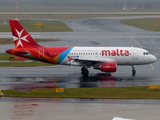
<point>81,109</point>
<point>24,78</point>
<point>87,32</point>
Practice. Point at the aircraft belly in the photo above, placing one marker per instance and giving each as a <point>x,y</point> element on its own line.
<point>126,61</point>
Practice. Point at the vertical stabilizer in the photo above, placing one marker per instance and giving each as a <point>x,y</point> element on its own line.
<point>22,39</point>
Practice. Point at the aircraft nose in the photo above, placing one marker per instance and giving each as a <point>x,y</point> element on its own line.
<point>153,58</point>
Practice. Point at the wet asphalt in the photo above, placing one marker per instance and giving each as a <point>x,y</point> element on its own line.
<point>87,32</point>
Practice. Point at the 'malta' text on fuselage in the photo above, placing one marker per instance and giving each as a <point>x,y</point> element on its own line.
<point>117,52</point>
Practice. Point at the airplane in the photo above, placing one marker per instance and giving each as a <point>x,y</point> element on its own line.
<point>119,118</point>
<point>105,59</point>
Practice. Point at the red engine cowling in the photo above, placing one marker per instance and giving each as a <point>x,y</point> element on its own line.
<point>107,67</point>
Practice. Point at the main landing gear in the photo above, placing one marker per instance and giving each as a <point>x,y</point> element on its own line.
<point>84,71</point>
<point>133,70</point>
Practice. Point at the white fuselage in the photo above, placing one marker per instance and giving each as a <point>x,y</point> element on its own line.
<point>120,55</point>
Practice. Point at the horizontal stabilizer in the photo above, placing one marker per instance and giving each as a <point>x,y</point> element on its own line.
<point>21,52</point>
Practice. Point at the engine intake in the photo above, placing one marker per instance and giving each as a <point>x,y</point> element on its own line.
<point>106,67</point>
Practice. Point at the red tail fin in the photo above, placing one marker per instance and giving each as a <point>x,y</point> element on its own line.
<point>22,38</point>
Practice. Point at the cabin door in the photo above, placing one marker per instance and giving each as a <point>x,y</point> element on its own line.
<point>41,53</point>
<point>135,54</point>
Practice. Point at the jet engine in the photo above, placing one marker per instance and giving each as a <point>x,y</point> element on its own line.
<point>106,66</point>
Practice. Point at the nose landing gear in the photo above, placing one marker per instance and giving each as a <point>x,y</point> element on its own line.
<point>133,70</point>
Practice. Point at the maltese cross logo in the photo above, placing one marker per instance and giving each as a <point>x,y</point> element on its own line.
<point>20,37</point>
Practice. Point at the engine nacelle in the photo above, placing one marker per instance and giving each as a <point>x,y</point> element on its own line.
<point>106,67</point>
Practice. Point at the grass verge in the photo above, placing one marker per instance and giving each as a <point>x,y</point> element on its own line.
<point>23,64</point>
<point>30,25</point>
<point>105,93</point>
<point>151,24</point>
<point>66,16</point>
<point>5,56</point>
<point>18,63</point>
<point>10,40</point>
<point>66,8</point>
<point>70,16</point>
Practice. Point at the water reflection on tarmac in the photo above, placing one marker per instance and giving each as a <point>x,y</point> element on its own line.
<point>73,100</point>
<point>60,109</point>
<point>45,77</point>
<point>51,82</point>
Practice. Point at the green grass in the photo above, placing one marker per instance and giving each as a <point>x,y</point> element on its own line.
<point>52,8</point>
<point>5,56</point>
<point>10,40</point>
<point>66,16</point>
<point>147,24</point>
<point>18,63</point>
<point>47,26</point>
<point>106,93</point>
<point>23,64</point>
<point>70,9</point>
<point>70,16</point>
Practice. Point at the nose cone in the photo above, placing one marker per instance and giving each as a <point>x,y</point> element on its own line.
<point>153,59</point>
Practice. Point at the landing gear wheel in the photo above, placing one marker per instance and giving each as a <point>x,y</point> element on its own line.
<point>133,71</point>
<point>84,71</point>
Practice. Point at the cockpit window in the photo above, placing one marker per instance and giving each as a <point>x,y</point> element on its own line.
<point>145,53</point>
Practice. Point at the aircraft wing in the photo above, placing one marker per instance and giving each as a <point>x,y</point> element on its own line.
<point>95,60</point>
<point>91,62</point>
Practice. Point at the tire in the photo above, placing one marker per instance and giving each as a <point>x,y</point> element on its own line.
<point>133,72</point>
